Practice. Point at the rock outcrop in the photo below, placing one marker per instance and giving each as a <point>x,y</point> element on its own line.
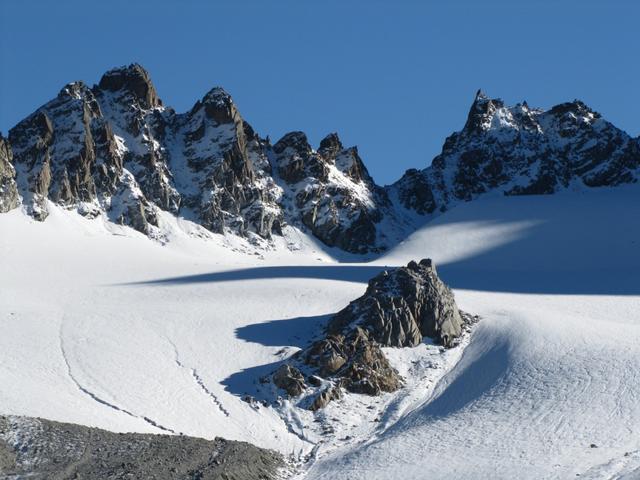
<point>9,198</point>
<point>67,152</point>
<point>42,449</point>
<point>131,107</point>
<point>521,150</point>
<point>400,307</point>
<point>289,379</point>
<point>356,362</point>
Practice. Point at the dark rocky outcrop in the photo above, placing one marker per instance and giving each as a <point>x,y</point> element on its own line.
<point>134,80</point>
<point>54,151</point>
<point>9,198</point>
<point>322,399</point>
<point>400,307</point>
<point>355,360</point>
<point>67,152</point>
<point>289,379</point>
<point>403,305</point>
<point>41,450</point>
<point>522,151</point>
<point>135,113</point>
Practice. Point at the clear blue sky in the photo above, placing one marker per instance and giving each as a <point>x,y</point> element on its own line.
<point>394,78</point>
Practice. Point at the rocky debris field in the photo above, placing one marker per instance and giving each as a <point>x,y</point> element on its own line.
<point>45,450</point>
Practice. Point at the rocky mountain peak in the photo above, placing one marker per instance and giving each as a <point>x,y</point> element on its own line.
<point>521,150</point>
<point>576,107</point>
<point>481,112</point>
<point>114,149</point>
<point>219,106</point>
<point>330,146</point>
<point>75,90</point>
<point>296,141</point>
<point>133,79</point>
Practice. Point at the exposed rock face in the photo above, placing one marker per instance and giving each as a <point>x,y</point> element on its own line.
<point>140,123</point>
<point>289,379</point>
<point>402,306</point>
<point>520,150</point>
<point>399,308</point>
<point>114,149</point>
<point>8,188</point>
<point>66,152</point>
<point>134,82</point>
<point>59,153</point>
<point>43,450</point>
<point>227,180</point>
<point>356,360</point>
<point>331,192</point>
<point>325,396</point>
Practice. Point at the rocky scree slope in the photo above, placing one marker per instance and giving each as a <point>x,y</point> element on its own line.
<point>44,449</point>
<point>115,149</point>
<point>399,308</point>
<point>521,150</point>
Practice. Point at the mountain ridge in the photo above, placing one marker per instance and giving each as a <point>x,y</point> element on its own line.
<point>115,149</point>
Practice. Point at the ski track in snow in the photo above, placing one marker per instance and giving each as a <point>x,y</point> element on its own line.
<point>100,400</point>
<point>198,380</point>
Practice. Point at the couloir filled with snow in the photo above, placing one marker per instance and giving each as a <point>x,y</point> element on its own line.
<point>102,326</point>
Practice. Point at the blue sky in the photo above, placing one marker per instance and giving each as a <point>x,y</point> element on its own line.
<point>394,78</point>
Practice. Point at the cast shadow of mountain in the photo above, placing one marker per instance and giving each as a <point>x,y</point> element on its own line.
<point>360,273</point>
<point>291,332</point>
<point>575,244</point>
<point>247,382</point>
<point>296,332</point>
<point>474,273</point>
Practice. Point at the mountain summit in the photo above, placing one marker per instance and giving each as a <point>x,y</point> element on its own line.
<point>115,150</point>
<point>519,150</point>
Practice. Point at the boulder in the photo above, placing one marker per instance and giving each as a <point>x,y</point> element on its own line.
<point>325,396</point>
<point>355,360</point>
<point>289,379</point>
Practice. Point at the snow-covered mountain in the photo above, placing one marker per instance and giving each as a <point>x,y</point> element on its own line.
<point>115,150</point>
<point>521,150</point>
<point>102,327</point>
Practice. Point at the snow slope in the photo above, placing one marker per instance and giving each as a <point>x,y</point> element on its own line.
<point>547,373</point>
<point>107,328</point>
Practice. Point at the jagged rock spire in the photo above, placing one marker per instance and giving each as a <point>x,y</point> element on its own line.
<point>481,111</point>
<point>330,145</point>
<point>219,106</point>
<point>133,79</point>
